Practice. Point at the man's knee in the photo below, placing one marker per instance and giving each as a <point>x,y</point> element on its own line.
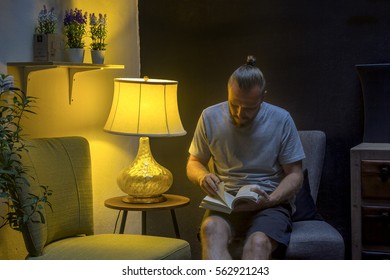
<point>259,242</point>
<point>214,225</point>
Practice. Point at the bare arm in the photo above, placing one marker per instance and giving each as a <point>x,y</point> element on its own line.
<point>289,185</point>
<point>199,174</point>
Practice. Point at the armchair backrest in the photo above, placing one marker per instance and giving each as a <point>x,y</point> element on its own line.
<point>64,165</point>
<point>314,145</point>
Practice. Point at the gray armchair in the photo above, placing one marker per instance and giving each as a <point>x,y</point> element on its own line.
<point>311,238</point>
<point>314,239</point>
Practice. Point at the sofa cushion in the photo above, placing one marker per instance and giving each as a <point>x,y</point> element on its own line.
<point>117,247</point>
<point>315,240</point>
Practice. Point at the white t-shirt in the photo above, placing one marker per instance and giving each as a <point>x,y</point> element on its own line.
<point>252,154</point>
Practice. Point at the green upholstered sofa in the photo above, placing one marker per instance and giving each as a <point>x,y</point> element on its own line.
<point>64,165</point>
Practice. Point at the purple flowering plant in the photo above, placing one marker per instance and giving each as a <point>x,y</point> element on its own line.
<point>75,27</point>
<point>47,20</point>
<point>98,31</point>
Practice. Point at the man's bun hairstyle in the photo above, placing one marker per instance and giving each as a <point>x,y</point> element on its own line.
<point>248,75</point>
<point>251,60</point>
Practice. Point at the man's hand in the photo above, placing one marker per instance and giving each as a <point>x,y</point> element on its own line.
<point>199,174</point>
<point>209,184</point>
<point>287,187</point>
<point>262,202</point>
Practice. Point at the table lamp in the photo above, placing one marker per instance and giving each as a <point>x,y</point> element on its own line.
<point>147,108</point>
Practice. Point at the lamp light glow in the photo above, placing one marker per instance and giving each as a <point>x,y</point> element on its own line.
<point>146,108</point>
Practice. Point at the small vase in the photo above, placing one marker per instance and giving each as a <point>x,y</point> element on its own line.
<point>97,56</point>
<point>75,55</point>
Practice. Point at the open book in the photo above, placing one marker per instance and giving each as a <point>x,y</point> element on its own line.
<point>225,202</point>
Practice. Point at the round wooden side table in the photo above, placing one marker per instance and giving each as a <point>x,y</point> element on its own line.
<point>173,201</point>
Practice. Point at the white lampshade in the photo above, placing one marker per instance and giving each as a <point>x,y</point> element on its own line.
<point>145,107</point>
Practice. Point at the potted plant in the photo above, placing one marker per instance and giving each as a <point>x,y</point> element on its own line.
<point>14,104</point>
<point>98,34</point>
<point>46,41</point>
<point>75,29</point>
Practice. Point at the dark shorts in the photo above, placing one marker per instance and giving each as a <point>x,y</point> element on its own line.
<point>274,222</point>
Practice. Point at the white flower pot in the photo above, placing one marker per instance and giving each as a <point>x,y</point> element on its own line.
<point>97,56</point>
<point>75,55</point>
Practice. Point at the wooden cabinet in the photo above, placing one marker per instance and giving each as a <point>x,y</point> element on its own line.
<point>370,201</point>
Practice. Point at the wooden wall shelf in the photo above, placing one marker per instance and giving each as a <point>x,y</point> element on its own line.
<point>22,70</point>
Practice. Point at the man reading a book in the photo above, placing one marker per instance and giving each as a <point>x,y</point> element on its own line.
<point>249,142</point>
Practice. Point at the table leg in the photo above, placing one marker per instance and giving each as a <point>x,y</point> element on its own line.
<point>123,222</point>
<point>175,226</point>
<point>143,232</point>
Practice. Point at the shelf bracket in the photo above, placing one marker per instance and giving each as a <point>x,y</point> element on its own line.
<point>72,78</point>
<point>22,74</point>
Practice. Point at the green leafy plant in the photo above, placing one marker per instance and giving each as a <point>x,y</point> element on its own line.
<point>98,31</point>
<point>13,175</point>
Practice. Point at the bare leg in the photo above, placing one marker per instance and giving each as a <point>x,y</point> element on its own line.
<point>215,234</point>
<point>258,247</point>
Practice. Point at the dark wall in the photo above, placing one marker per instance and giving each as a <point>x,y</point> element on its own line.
<point>307,50</point>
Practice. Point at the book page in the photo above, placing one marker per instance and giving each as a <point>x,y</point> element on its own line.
<point>214,201</point>
<point>215,204</point>
<point>225,201</point>
<point>245,192</point>
<point>221,191</point>
<point>226,197</point>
